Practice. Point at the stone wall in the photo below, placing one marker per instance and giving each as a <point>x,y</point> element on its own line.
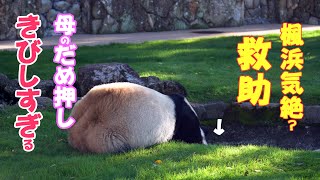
<point>110,16</point>
<point>277,11</point>
<point>50,8</point>
<point>123,16</point>
<point>10,10</point>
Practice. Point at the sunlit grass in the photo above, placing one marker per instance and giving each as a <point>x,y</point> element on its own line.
<point>206,67</point>
<point>209,71</point>
<point>54,159</point>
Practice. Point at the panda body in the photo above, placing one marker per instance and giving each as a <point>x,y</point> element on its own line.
<point>118,117</point>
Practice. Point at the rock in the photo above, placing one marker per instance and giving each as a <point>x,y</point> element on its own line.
<point>46,5</point>
<point>283,10</point>
<point>150,80</point>
<point>200,110</point>
<point>180,25</point>
<point>12,34</point>
<point>305,17</point>
<point>165,87</point>
<point>96,74</point>
<point>254,13</point>
<point>7,90</point>
<point>4,97</point>
<point>246,105</point>
<point>75,10</point>
<point>98,10</point>
<point>289,4</point>
<point>168,87</point>
<point>159,8</point>
<point>96,24</point>
<point>43,22</point>
<point>264,13</point>
<point>317,8</point>
<point>2,106</point>
<point>200,14</point>
<point>4,81</point>
<point>61,5</point>
<point>313,20</point>
<point>248,4</point>
<point>127,24</point>
<point>44,103</point>
<point>109,25</point>
<point>263,3</point>
<point>311,115</point>
<point>224,13</point>
<point>11,87</point>
<point>151,19</point>
<point>256,3</point>
<point>86,17</point>
<point>215,110</point>
<point>46,87</point>
<point>51,15</point>
<point>107,5</point>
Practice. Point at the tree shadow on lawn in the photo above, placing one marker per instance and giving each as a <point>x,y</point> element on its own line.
<point>178,160</point>
<point>54,158</point>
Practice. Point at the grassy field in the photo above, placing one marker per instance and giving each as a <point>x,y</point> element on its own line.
<point>54,159</point>
<point>207,68</point>
<point>209,71</point>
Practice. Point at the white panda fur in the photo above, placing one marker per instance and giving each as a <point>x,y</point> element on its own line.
<point>118,117</point>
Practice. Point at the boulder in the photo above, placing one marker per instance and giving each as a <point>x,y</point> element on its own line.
<point>109,25</point>
<point>61,5</point>
<point>200,110</point>
<point>249,4</point>
<point>215,110</point>
<point>46,5</point>
<point>7,89</point>
<point>98,10</point>
<point>46,87</point>
<point>44,103</point>
<point>168,87</point>
<point>311,115</point>
<point>313,20</point>
<point>150,80</point>
<point>51,15</point>
<point>96,24</point>
<point>75,10</point>
<point>96,74</point>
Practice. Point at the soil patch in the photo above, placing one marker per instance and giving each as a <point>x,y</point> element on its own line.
<point>303,137</point>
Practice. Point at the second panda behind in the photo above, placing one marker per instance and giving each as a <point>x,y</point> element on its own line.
<point>118,117</point>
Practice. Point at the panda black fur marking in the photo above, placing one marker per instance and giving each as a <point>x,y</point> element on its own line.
<point>187,123</point>
<point>118,117</point>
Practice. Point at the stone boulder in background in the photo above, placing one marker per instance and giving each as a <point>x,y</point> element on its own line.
<point>7,90</point>
<point>96,74</point>
<point>168,87</point>
<point>46,87</point>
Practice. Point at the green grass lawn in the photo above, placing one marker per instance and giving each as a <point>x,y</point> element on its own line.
<point>54,159</point>
<point>209,71</point>
<point>207,67</point>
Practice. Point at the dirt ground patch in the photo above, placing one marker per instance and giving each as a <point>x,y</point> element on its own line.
<point>303,137</point>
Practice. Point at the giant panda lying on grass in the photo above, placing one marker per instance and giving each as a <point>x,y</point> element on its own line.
<point>118,117</point>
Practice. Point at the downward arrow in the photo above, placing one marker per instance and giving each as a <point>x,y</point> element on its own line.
<point>218,130</point>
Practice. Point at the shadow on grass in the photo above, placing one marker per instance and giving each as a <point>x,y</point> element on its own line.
<point>53,158</point>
